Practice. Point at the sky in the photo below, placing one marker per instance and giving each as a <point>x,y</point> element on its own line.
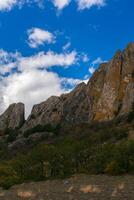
<point>47,47</point>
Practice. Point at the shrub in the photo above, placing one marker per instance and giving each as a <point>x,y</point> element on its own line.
<point>11,135</point>
<point>131,114</point>
<point>40,128</point>
<point>8,176</point>
<point>113,168</point>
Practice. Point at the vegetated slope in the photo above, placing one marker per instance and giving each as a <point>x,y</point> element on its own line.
<point>89,130</point>
<point>90,149</point>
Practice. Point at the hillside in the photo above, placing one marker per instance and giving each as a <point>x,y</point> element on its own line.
<point>89,130</point>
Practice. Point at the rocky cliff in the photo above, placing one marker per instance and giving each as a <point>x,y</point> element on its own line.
<point>68,108</point>
<point>13,117</point>
<point>108,94</point>
<point>111,89</point>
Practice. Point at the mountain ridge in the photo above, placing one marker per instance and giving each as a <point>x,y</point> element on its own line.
<point>108,94</point>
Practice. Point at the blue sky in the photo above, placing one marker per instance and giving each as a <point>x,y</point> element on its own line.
<point>48,46</point>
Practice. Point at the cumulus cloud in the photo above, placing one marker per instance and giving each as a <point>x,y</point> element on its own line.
<point>46,60</point>
<point>30,87</point>
<point>37,37</point>
<point>83,4</point>
<point>8,61</point>
<point>7,4</point>
<point>27,79</point>
<point>60,4</point>
<point>41,60</point>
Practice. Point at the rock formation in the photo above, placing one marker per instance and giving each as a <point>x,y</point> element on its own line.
<point>108,94</point>
<point>13,117</point>
<point>68,108</point>
<point>111,89</point>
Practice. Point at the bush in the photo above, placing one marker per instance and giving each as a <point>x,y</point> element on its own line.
<point>40,128</point>
<point>113,168</point>
<point>8,176</point>
<point>11,135</point>
<point>131,114</point>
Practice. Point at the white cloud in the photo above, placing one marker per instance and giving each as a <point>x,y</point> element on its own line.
<point>37,37</point>
<point>85,58</point>
<point>83,4</point>
<point>42,60</point>
<point>47,60</point>
<point>30,82</point>
<point>29,87</point>
<point>98,61</point>
<point>70,82</point>
<point>66,46</point>
<point>8,61</point>
<point>95,63</point>
<point>60,4</point>
<point>91,70</point>
<point>7,4</point>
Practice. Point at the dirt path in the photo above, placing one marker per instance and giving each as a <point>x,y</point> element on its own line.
<point>80,187</point>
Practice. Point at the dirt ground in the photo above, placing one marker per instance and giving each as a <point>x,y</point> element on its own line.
<point>80,187</point>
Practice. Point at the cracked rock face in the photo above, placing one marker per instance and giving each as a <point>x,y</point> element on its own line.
<point>105,103</point>
<point>108,94</point>
<point>13,117</point>
<point>111,89</point>
<point>68,108</point>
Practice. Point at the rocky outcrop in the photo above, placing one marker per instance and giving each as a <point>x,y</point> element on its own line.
<point>108,94</point>
<point>13,117</point>
<point>104,88</point>
<point>68,108</point>
<point>44,113</point>
<point>76,105</point>
<point>111,89</point>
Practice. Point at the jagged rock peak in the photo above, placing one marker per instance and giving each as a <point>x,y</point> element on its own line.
<point>68,108</point>
<point>111,89</point>
<point>108,94</point>
<point>130,47</point>
<point>13,117</point>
